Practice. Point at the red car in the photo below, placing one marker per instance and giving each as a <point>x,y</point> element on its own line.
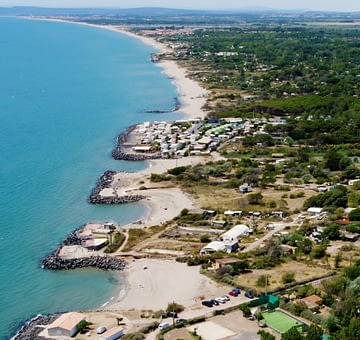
<point>232,293</point>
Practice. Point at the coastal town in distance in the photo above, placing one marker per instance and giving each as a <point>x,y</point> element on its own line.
<point>251,200</point>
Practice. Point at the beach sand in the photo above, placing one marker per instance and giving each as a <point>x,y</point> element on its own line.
<point>162,282</point>
<point>163,203</point>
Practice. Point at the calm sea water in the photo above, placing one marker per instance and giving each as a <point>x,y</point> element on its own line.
<point>66,91</point>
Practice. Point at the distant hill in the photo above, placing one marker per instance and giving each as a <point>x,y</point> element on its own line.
<point>39,11</point>
<point>157,13</point>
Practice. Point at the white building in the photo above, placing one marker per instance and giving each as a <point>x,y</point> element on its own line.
<point>235,233</point>
<point>112,334</point>
<point>353,181</point>
<point>66,324</point>
<point>213,247</point>
<point>315,211</point>
<point>233,213</point>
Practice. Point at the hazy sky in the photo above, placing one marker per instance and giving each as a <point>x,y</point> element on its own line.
<point>329,5</point>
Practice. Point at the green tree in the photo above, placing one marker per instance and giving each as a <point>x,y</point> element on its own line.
<point>174,307</point>
<point>82,326</point>
<point>332,160</point>
<point>350,332</point>
<point>332,232</point>
<point>314,333</point>
<point>265,335</point>
<point>292,334</point>
<point>354,215</point>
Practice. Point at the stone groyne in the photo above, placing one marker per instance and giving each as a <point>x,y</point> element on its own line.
<point>177,106</point>
<point>104,182</point>
<point>54,262</point>
<point>30,329</point>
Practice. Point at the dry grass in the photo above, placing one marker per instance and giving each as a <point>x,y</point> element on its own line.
<point>136,235</point>
<point>302,272</point>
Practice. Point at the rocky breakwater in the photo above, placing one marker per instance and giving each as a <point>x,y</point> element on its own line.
<point>119,153</point>
<point>55,261</point>
<point>31,329</point>
<point>104,182</point>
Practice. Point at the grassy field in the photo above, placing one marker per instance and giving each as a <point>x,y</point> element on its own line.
<point>279,321</point>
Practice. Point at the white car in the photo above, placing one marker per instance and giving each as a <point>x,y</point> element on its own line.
<point>225,297</point>
<point>101,330</point>
<point>220,299</point>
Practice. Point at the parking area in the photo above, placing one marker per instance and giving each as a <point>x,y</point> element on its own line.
<point>231,326</point>
<point>210,330</point>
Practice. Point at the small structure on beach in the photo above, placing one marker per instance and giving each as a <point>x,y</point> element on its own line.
<point>112,334</point>
<point>66,324</point>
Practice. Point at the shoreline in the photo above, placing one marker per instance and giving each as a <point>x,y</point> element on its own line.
<point>162,204</point>
<point>192,95</point>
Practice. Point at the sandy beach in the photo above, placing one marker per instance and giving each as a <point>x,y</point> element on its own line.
<point>152,284</point>
<point>163,203</point>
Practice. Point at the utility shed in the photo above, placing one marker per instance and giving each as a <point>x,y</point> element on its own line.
<point>112,334</point>
<point>66,324</point>
<point>315,211</point>
<point>240,230</point>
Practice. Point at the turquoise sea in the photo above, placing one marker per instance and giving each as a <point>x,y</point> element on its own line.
<point>66,91</point>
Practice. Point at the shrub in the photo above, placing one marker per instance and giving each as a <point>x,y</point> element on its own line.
<point>133,336</point>
<point>149,328</point>
<point>196,320</point>
<point>245,309</point>
<point>174,307</point>
<point>205,238</point>
<point>288,277</point>
<point>177,171</point>
<point>265,335</point>
<point>117,241</point>
<point>262,281</point>
<point>354,215</point>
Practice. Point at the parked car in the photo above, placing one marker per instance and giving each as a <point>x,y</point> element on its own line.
<point>225,297</point>
<point>214,302</point>
<point>249,294</point>
<point>232,293</point>
<point>101,330</point>
<point>220,299</point>
<point>164,325</point>
<point>180,321</point>
<point>171,315</point>
<point>207,303</point>
<point>236,290</point>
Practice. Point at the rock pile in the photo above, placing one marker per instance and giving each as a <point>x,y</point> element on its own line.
<point>119,152</point>
<point>54,262</point>
<point>30,330</point>
<point>105,181</point>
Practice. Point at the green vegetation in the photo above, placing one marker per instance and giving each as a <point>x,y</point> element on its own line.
<point>83,326</point>
<point>116,241</point>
